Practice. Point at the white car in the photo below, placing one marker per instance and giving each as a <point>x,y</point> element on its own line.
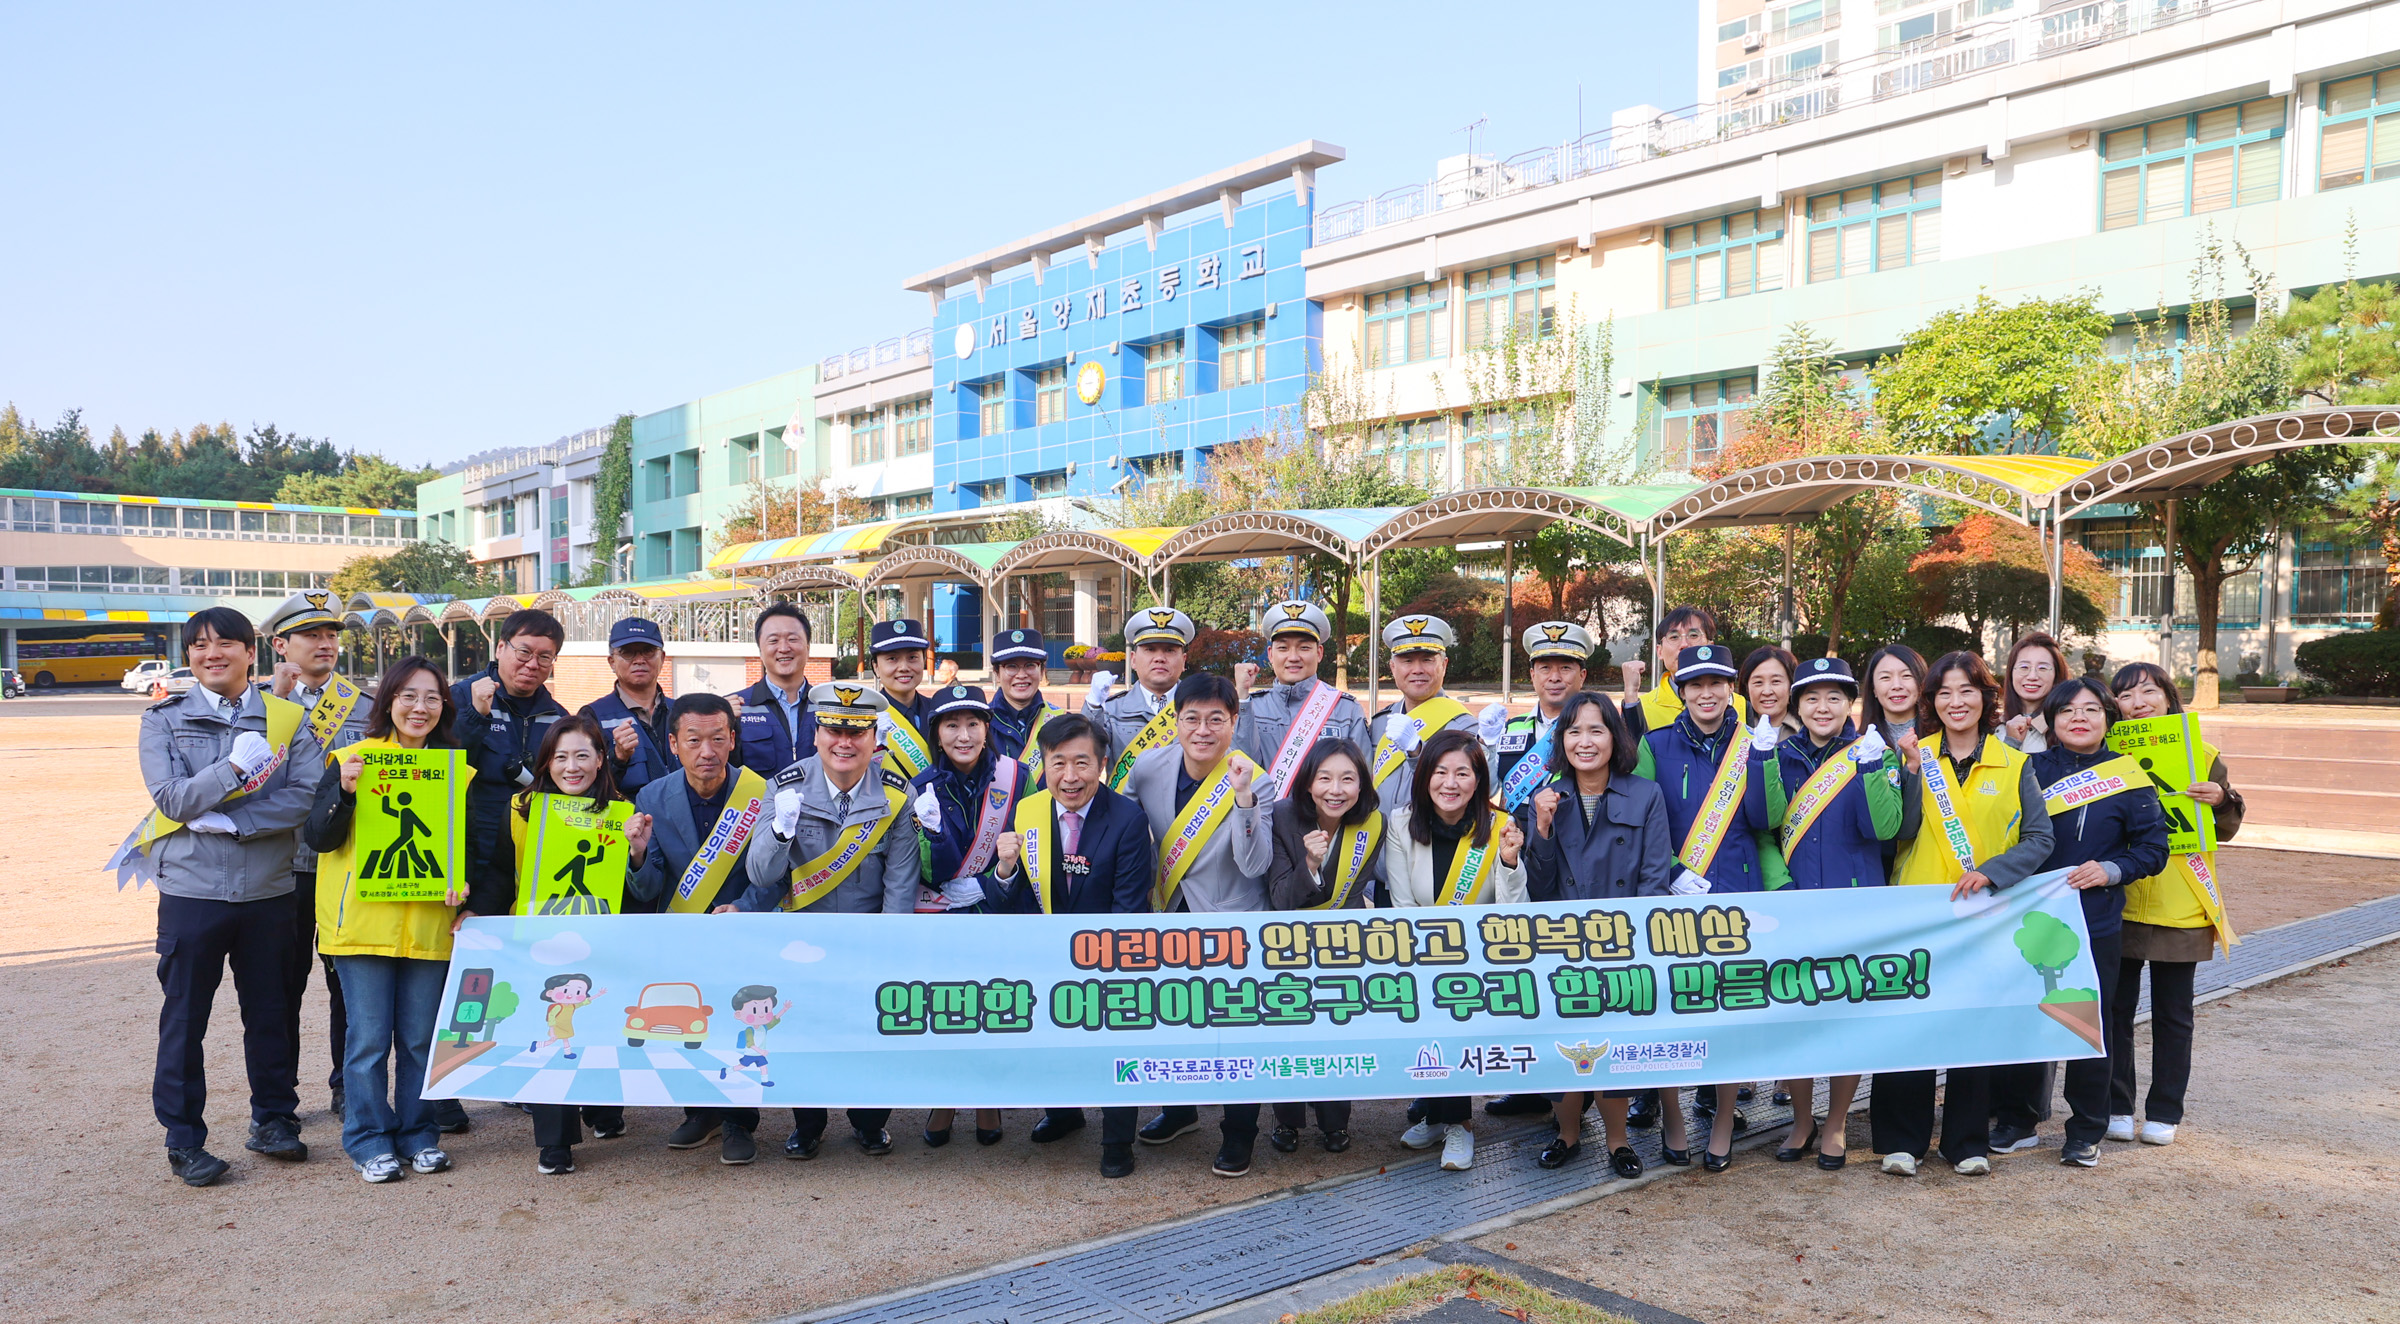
<point>146,674</point>
<point>174,682</point>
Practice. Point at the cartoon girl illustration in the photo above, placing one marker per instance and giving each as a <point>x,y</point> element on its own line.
<point>564,993</point>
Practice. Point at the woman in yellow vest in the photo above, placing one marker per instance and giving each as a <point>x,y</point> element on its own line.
<point>1982,825</point>
<point>2173,921</point>
<point>393,957</point>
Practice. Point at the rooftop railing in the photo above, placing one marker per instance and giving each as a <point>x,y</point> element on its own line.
<point>917,344</point>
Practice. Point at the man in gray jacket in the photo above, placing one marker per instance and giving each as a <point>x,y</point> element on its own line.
<point>1216,859</point>
<point>797,866</point>
<point>1419,648</point>
<point>1157,642</point>
<point>232,772</point>
<point>1279,723</point>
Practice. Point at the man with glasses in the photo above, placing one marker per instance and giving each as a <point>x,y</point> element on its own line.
<point>503,714</point>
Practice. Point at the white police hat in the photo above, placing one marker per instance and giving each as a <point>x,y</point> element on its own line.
<point>1159,625</point>
<point>1297,617</point>
<point>305,610</point>
<point>846,703</point>
<point>1560,639</point>
<point>1419,633</point>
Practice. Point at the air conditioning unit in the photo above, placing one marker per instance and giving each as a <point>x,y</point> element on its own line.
<point>1070,468</point>
<point>1756,41</point>
<point>954,486</point>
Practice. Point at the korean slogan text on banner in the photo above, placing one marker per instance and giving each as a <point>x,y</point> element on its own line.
<point>2169,748</point>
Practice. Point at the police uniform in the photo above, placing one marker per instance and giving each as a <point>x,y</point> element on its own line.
<point>1410,634</point>
<point>1521,735</point>
<point>653,747</point>
<point>1122,715</point>
<point>949,805</point>
<point>899,636</point>
<point>1012,727</point>
<point>1267,715</point>
<point>810,812</point>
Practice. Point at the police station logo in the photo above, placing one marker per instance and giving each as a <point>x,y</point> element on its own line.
<point>1706,653</point>
<point>1822,664</point>
<point>1585,1055</point>
<point>1295,610</point>
<point>1430,1063</point>
<point>958,691</point>
<point>1414,624</point>
<point>1164,619</point>
<point>848,694</point>
<point>318,599</point>
<point>1555,631</point>
<point>1016,636</point>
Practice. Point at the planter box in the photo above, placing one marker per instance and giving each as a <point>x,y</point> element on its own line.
<point>2266,694</point>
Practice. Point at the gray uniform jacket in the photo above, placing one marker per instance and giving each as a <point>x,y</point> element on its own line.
<point>353,730</point>
<point>1231,872</point>
<point>885,882</point>
<point>1290,886</point>
<point>675,839</point>
<point>185,743</point>
<point>1394,791</point>
<point>1627,850</point>
<point>1267,715</point>
<point>1122,718</point>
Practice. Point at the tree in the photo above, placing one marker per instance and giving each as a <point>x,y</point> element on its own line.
<point>210,462</point>
<point>2345,340</point>
<point>498,1005</point>
<point>1993,571</point>
<point>2048,945</point>
<point>365,480</point>
<point>612,496</point>
<point>1969,372</point>
<point>430,566</point>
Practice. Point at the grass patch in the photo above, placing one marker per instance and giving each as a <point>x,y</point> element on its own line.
<point>1422,1292</point>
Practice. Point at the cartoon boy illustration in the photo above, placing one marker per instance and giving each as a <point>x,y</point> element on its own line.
<point>754,1006</point>
<point>564,993</point>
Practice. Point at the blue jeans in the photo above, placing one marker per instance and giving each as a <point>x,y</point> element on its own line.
<point>393,1003</point>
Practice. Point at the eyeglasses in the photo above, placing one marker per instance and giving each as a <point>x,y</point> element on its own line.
<point>1206,721</point>
<point>533,656</point>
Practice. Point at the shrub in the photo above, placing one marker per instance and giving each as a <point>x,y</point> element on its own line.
<point>1218,650</point>
<point>2363,663</point>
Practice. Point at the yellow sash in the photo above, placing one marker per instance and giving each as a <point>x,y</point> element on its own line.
<point>1432,715</point>
<point>1202,815</point>
<point>812,881</point>
<point>2197,871</point>
<point>1470,880</point>
<point>2109,777</point>
<point>283,722</point>
<point>1160,731</point>
<point>1351,851</point>
<point>904,750</point>
<point>1815,796</point>
<point>1031,755</point>
<point>1037,818</point>
<point>705,875</point>
<point>333,708</point>
<point>1723,801</point>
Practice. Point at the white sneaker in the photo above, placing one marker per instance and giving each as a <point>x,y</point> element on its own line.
<point>1978,1166</point>
<point>429,1161</point>
<point>1424,1135</point>
<point>2157,1133</point>
<point>1900,1165</point>
<point>1458,1150</point>
<point>2120,1128</point>
<point>380,1169</point>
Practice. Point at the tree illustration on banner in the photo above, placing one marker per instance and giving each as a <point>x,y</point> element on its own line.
<point>2050,946</point>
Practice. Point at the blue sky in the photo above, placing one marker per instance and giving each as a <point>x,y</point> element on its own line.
<point>430,230</point>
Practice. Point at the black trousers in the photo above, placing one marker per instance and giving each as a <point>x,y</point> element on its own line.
<point>1117,1125</point>
<point>1900,1113</point>
<point>1450,1112</point>
<point>305,961</point>
<point>1240,1121</point>
<point>2170,1039</point>
<point>556,1125</point>
<point>809,1123</point>
<point>2017,1088</point>
<point>745,1119</point>
<point>1331,1116</point>
<point>197,940</point>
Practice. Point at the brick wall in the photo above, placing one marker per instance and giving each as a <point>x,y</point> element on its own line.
<point>583,677</point>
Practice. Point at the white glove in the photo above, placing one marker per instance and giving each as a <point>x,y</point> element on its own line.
<point>1103,684</point>
<point>1688,883</point>
<point>212,821</point>
<point>1763,735</point>
<point>929,810</point>
<point>1415,737</point>
<point>962,892</point>
<point>1869,748</point>
<point>787,812</point>
<point>250,753</point>
<point>1491,722</point>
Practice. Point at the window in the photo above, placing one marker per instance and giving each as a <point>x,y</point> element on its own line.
<point>662,478</point>
<point>866,437</point>
<point>75,513</point>
<point>989,492</point>
<point>1240,354</point>
<point>743,461</point>
<point>912,426</point>
<point>558,518</point>
<point>1805,19</point>
<point>1168,465</point>
<point>1725,257</point>
<point>1519,299</point>
<point>2361,138</point>
<point>134,517</point>
<point>1695,419</point>
<point>279,523</point>
<point>1049,484</point>
<point>1875,227</point>
<point>993,407</point>
<point>2337,578</point>
<point>508,518</point>
<point>1050,395</point>
<point>254,521</point>
<point>916,503</point>
<point>1162,371</point>
<point>1483,446</point>
<point>1408,325</point>
<point>1417,449</point>
<point>2227,157</point>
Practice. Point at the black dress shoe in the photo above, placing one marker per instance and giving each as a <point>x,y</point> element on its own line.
<point>1518,1105</point>
<point>738,1148</point>
<point>992,1136</point>
<point>1336,1141</point>
<point>1285,1139</point>
<point>1715,1162</point>
<point>277,1139</point>
<point>1625,1163</point>
<point>341,1102</point>
<point>1675,1158</point>
<point>1233,1157</point>
<point>877,1142</point>
<point>1643,1114</point>
<point>1832,1162</point>
<point>1558,1153</point>
<point>937,1139</point>
<point>1169,1125</point>
<point>1116,1160</point>
<point>797,1146</point>
<point>1794,1153</point>
<point>1745,1094</point>
<point>1055,1126</point>
<point>1783,1098</point>
<point>694,1132</point>
<point>1740,1123</point>
<point>195,1166</point>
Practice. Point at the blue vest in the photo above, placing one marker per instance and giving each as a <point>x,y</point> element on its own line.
<point>1684,764</point>
<point>766,746</point>
<point>652,758</point>
<point>1841,848</point>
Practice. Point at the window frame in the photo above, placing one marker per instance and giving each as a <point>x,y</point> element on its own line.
<point>1163,362</point>
<point>2143,165</point>
<point>2373,116</point>
<point>1720,251</point>
<point>1241,353</point>
<point>1478,299</point>
<point>1913,209</point>
<point>1422,306</point>
<point>912,426</point>
<point>1677,427</point>
<point>1050,394</point>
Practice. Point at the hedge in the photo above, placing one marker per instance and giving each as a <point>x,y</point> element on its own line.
<point>2364,663</point>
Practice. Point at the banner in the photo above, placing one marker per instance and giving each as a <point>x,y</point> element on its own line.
<point>2169,749</point>
<point>577,856</point>
<point>412,808</point>
<point>1013,1011</point>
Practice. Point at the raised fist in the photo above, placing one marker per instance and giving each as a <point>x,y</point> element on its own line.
<point>481,693</point>
<point>251,752</point>
<point>1005,856</point>
<point>787,812</point>
<point>1245,675</point>
<point>627,741</point>
<point>1317,843</point>
<point>1545,809</point>
<point>1103,684</point>
<point>1244,772</point>
<point>637,837</point>
<point>1511,841</point>
<point>286,676</point>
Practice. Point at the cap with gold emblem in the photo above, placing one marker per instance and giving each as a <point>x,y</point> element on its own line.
<point>1419,634</point>
<point>846,704</point>
<point>1560,639</point>
<point>1159,625</point>
<point>1297,617</point>
<point>304,610</point>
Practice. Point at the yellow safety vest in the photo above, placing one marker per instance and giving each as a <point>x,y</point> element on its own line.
<point>1985,802</point>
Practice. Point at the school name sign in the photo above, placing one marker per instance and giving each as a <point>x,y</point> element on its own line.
<point>1043,1010</point>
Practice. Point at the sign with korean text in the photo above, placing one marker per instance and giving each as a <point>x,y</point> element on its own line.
<point>407,828</point>
<point>576,855</point>
<point>2169,748</point>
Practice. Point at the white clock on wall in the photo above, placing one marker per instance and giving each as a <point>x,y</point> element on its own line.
<point>1090,379</point>
<point>964,341</point>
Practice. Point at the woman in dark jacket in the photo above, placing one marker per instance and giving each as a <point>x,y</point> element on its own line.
<point>2108,830</point>
<point>1596,832</point>
<point>1328,856</point>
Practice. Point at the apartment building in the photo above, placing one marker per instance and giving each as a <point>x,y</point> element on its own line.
<point>524,515</point>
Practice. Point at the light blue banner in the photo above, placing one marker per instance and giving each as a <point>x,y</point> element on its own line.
<point>1039,1010</point>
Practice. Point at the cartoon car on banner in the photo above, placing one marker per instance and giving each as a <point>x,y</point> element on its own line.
<point>668,1011</point>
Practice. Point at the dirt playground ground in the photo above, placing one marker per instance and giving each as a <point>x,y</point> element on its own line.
<point>2278,1201</point>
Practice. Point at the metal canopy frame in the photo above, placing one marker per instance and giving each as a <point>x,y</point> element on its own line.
<point>1514,513</point>
<point>1247,533</point>
<point>2014,487</point>
<point>2183,465</point>
<point>940,563</point>
<point>1067,549</point>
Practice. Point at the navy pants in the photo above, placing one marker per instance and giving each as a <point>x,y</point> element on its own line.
<point>1240,1120</point>
<point>2017,1088</point>
<point>809,1123</point>
<point>1117,1125</point>
<point>197,940</point>
<point>304,964</point>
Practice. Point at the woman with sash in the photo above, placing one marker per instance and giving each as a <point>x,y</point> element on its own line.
<point>1895,684</point>
<point>1837,798</point>
<point>1328,856</point>
<point>573,763</point>
<point>2035,664</point>
<point>2174,920</point>
<point>393,957</point>
<point>1446,849</point>
<point>965,801</point>
<point>2109,831</point>
<point>1983,827</point>
<point>1766,686</point>
<point>1596,832</point>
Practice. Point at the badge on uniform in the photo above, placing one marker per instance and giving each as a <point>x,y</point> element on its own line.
<point>996,796</point>
<point>1515,742</point>
<point>1075,864</point>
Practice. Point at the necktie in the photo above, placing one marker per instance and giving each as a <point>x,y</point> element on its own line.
<point>841,807</point>
<point>231,706</point>
<point>1070,827</point>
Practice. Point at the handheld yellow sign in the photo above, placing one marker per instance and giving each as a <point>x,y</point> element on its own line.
<point>408,830</point>
<point>576,861</point>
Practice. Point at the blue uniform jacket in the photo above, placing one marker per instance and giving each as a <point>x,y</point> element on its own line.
<point>2126,833</point>
<point>653,757</point>
<point>1011,726</point>
<point>1683,763</point>
<point>961,797</point>
<point>1843,847</point>
<point>1628,850</point>
<point>1118,856</point>
<point>767,745</point>
<point>512,733</point>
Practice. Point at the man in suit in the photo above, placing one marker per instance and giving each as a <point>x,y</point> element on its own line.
<point>703,816</point>
<point>1214,846</point>
<point>1096,856</point>
<point>1279,723</point>
<point>776,730</point>
<point>819,802</point>
<point>1156,640</point>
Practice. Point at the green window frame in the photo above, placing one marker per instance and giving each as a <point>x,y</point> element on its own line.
<point>2359,137</point>
<point>1724,257</point>
<point>1519,298</point>
<point>1693,420</point>
<point>2337,577</point>
<point>866,436</point>
<point>1417,450</point>
<point>1241,354</point>
<point>991,408</point>
<point>1162,371</point>
<point>912,426</point>
<point>1050,394</point>
<point>2225,156</point>
<point>1875,227</point>
<point>1410,324</point>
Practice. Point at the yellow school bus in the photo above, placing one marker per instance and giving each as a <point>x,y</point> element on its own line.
<point>93,659</point>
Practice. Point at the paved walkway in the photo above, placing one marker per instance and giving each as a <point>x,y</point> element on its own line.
<point>1179,1269</point>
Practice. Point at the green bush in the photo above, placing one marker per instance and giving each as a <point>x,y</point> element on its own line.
<point>2366,662</point>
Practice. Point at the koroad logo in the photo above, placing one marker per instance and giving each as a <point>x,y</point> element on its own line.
<point>1430,1064</point>
<point>1585,1056</point>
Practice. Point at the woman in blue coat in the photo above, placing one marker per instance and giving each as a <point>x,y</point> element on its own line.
<point>1596,832</point>
<point>1836,799</point>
